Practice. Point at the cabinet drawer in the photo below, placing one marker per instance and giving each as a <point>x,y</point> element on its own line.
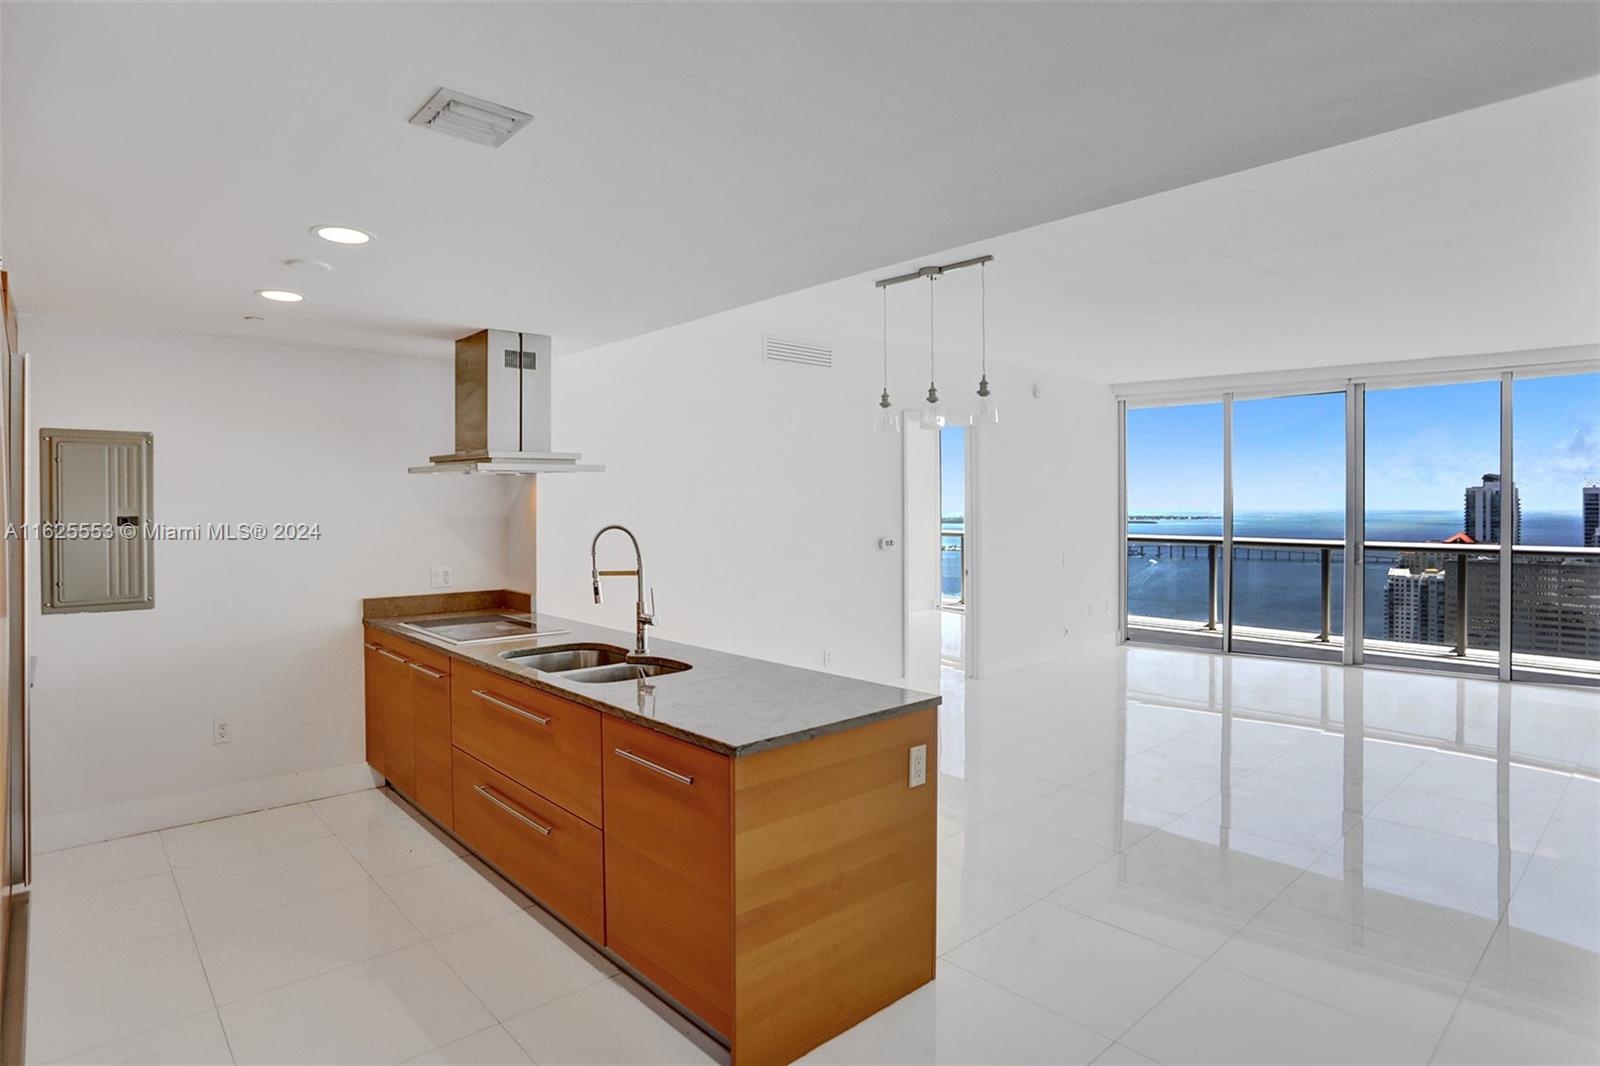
<point>542,742</point>
<point>551,853</point>
<point>669,866</point>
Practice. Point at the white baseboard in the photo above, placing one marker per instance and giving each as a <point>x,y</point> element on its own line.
<point>57,831</point>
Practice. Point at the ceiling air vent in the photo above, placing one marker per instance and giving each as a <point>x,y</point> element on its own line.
<point>470,118</point>
<point>802,353</point>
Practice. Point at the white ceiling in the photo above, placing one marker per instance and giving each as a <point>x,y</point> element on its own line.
<point>161,161</point>
<point>1475,233</point>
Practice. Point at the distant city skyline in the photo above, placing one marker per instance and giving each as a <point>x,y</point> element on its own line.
<point>1424,447</point>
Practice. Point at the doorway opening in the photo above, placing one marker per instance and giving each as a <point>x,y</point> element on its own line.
<point>938,536</point>
<point>952,545</point>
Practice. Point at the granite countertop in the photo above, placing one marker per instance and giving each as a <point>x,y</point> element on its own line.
<point>726,703</point>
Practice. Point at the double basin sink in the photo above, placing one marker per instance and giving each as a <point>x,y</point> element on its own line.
<point>592,664</point>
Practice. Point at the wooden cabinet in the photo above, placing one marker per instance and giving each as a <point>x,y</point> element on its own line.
<point>375,700</point>
<point>430,724</point>
<point>408,720</point>
<point>780,897</point>
<point>553,854</point>
<point>669,861</point>
<point>543,742</point>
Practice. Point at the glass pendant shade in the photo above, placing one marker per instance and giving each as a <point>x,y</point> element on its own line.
<point>888,420</point>
<point>932,416</point>
<point>988,412</point>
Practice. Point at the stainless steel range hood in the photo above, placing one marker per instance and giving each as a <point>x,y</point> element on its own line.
<point>503,409</point>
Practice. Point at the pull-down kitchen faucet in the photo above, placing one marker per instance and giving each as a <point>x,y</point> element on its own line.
<point>642,617</point>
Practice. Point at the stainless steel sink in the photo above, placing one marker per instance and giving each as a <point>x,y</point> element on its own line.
<point>626,671</point>
<point>564,657</point>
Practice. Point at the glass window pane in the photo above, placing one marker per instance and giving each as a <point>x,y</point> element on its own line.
<point>1433,475</point>
<point>1174,489</point>
<point>1288,484</point>
<point>1433,462</point>
<point>1555,597</point>
<point>1555,441</point>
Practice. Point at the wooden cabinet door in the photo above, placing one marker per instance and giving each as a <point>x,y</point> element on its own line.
<point>374,704</point>
<point>430,717</point>
<point>669,866</point>
<point>394,710</point>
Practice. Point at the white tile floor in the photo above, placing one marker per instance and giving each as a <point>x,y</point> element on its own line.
<point>1145,856</point>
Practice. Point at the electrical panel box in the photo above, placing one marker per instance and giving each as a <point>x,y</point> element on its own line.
<point>95,501</point>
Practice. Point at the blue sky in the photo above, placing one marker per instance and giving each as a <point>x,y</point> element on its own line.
<point>952,470</point>
<point>1424,447</point>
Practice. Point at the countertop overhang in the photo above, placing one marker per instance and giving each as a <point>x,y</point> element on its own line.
<point>732,704</point>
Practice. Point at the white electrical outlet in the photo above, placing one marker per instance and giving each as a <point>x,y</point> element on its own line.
<point>827,657</point>
<point>439,577</point>
<point>919,765</point>
<point>221,731</point>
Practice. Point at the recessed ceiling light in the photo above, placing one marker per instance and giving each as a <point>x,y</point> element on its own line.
<point>283,296</point>
<point>341,234</point>
<point>315,265</point>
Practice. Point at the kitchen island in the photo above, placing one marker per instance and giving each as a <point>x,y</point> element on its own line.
<point>755,841</point>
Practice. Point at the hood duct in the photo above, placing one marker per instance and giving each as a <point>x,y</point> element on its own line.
<point>503,409</point>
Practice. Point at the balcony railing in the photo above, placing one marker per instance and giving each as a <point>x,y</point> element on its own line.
<point>1451,607</point>
<point>952,567</point>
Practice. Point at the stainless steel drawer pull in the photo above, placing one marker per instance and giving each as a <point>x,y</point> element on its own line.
<point>494,798</point>
<point>512,707</point>
<point>392,655</point>
<point>369,645</point>
<point>648,765</point>
<point>436,675</point>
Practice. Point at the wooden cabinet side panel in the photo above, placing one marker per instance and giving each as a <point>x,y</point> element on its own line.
<point>834,884</point>
<point>374,704</point>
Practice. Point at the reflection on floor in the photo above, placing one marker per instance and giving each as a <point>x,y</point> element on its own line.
<point>952,630</point>
<point>1145,855</point>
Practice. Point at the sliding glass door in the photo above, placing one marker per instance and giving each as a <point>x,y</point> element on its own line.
<point>1433,523</point>
<point>1555,561</point>
<point>1173,534</point>
<point>1473,506</point>
<point>1288,521</point>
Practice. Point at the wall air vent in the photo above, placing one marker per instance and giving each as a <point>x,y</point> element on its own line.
<point>802,353</point>
<point>470,118</point>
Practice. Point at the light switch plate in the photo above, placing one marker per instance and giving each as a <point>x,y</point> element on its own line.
<point>919,765</point>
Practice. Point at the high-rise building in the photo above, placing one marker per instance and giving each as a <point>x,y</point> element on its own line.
<point>1481,514</point>
<point>1414,605</point>
<point>1591,515</point>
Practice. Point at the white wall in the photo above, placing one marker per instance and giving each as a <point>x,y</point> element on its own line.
<point>1046,540</point>
<point>264,634</point>
<point>759,491</point>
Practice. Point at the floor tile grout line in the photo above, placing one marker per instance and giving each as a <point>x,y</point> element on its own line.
<point>133,1036</point>
<point>1502,923</point>
<point>1026,999</point>
<point>205,972</point>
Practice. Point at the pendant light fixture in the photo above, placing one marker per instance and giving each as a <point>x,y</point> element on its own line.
<point>932,415</point>
<point>987,411</point>
<point>888,420</point>
<point>932,410</point>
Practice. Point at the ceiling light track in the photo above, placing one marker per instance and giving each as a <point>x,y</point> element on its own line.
<point>932,271</point>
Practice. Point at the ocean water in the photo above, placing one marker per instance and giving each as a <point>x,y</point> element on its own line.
<point>1281,590</point>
